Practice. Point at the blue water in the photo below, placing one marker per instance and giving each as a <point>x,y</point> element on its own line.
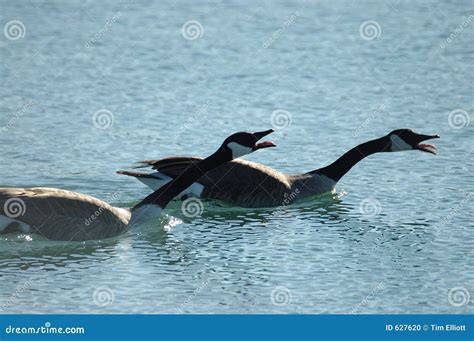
<point>398,240</point>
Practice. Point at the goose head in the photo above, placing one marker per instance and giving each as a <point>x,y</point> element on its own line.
<point>239,144</point>
<point>407,139</point>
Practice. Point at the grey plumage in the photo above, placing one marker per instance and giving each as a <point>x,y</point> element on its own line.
<point>64,215</point>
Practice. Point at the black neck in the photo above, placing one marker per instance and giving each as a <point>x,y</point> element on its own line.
<point>168,192</point>
<point>341,166</point>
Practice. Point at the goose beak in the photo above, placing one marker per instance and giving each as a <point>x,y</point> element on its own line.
<point>264,144</point>
<point>426,147</point>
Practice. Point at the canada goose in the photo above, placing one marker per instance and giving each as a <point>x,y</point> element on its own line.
<point>63,215</point>
<point>250,184</point>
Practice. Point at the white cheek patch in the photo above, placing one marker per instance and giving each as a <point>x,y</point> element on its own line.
<point>398,144</point>
<point>238,150</point>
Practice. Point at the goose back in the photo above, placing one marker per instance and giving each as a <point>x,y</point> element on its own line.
<point>62,215</point>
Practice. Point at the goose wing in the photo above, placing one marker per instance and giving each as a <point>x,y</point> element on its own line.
<point>171,166</point>
<point>62,215</point>
<point>239,182</point>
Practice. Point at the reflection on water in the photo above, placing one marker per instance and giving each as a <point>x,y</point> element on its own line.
<point>395,238</point>
<point>224,260</point>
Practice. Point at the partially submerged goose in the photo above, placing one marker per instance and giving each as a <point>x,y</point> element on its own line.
<point>250,184</point>
<point>64,215</point>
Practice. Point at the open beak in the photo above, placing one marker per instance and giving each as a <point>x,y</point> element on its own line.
<point>264,144</point>
<point>425,147</point>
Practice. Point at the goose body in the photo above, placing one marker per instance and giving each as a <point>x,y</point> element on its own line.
<point>251,184</point>
<point>59,214</point>
<point>240,182</point>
